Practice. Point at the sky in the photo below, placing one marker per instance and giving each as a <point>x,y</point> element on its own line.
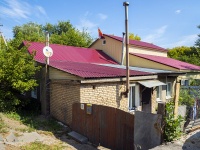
<point>166,23</point>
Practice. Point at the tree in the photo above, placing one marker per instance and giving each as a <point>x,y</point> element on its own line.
<point>197,43</point>
<point>134,37</point>
<point>61,33</point>
<point>186,54</point>
<point>17,70</point>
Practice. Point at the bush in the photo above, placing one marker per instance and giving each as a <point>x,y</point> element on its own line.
<point>172,125</point>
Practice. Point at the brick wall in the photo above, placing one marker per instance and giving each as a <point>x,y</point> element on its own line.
<point>107,94</point>
<point>63,95</point>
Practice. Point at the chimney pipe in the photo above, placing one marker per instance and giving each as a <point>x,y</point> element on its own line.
<point>126,4</point>
<point>123,38</point>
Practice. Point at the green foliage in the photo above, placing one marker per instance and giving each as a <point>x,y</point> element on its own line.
<point>61,33</point>
<point>186,54</point>
<point>172,128</point>
<point>17,70</point>
<point>134,37</point>
<point>30,119</point>
<point>2,126</point>
<point>185,98</point>
<point>41,146</point>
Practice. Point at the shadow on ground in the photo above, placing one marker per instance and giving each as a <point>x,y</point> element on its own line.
<point>192,143</point>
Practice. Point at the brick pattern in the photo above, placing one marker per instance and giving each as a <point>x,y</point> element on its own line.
<point>63,95</point>
<point>107,94</point>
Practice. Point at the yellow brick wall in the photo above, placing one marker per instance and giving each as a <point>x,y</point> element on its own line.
<point>63,95</point>
<point>107,94</point>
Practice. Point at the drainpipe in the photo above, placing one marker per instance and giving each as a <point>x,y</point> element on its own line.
<point>123,39</point>
<point>126,4</point>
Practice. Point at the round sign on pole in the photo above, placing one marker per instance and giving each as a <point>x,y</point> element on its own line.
<point>47,51</point>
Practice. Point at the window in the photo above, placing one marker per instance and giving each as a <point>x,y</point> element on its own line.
<point>34,93</point>
<point>158,93</point>
<point>134,101</point>
<point>104,42</point>
<point>169,90</point>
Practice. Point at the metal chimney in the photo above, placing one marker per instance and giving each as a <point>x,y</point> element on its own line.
<point>126,4</point>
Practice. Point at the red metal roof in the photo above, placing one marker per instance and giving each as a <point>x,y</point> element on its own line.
<point>79,61</point>
<point>88,70</point>
<point>139,43</point>
<point>169,62</point>
<point>70,53</point>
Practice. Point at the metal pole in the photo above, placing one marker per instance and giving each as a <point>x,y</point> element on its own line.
<point>47,96</point>
<point>126,4</point>
<point>122,59</point>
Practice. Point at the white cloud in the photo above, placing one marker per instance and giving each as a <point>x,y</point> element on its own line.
<point>156,35</point>
<point>41,10</point>
<point>188,40</point>
<point>178,11</point>
<point>17,9</point>
<point>102,16</point>
<point>87,24</point>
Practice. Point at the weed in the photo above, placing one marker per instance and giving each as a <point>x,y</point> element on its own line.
<point>2,126</point>
<point>41,146</point>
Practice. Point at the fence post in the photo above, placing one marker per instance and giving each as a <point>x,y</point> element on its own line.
<point>161,110</point>
<point>177,90</point>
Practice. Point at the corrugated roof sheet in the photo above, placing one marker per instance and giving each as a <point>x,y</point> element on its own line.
<point>81,62</point>
<point>70,53</point>
<point>139,68</point>
<point>139,43</point>
<point>88,70</point>
<point>169,62</point>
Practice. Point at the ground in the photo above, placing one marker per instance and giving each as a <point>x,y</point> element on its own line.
<point>16,136</point>
<point>190,141</point>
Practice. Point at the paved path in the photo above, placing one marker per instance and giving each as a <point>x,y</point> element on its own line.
<point>190,141</point>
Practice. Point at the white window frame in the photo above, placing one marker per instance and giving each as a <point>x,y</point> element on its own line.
<point>137,97</point>
<point>169,90</point>
<point>159,93</point>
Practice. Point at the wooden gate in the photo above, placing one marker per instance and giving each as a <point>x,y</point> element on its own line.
<point>105,126</point>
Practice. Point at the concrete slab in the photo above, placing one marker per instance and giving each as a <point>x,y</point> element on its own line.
<point>11,138</point>
<point>78,137</point>
<point>30,137</point>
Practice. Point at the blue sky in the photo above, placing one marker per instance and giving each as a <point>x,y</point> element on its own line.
<point>166,23</point>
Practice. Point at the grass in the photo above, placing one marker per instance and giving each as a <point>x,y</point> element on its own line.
<point>41,146</point>
<point>2,126</point>
<point>30,120</point>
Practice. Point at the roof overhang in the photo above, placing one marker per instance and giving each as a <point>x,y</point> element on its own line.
<point>136,78</point>
<point>151,83</point>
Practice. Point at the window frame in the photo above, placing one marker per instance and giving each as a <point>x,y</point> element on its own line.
<point>136,98</point>
<point>168,91</point>
<point>159,91</point>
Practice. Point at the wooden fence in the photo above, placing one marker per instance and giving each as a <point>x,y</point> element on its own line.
<point>105,126</point>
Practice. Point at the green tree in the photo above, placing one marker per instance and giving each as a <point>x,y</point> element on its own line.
<point>61,33</point>
<point>17,70</point>
<point>134,37</point>
<point>186,54</point>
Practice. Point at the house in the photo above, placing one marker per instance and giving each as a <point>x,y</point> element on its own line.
<point>147,55</point>
<point>151,55</point>
<point>86,75</point>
